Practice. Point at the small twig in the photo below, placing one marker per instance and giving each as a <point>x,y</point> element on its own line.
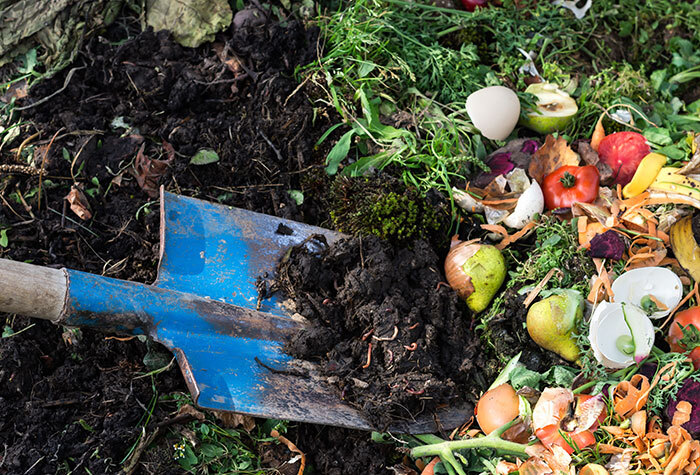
<point>295,91</point>
<point>61,402</point>
<point>35,464</point>
<point>369,356</point>
<point>69,76</point>
<point>538,288</point>
<point>43,164</point>
<point>27,208</point>
<point>4,456</point>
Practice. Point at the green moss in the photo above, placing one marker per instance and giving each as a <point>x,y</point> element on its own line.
<point>387,209</point>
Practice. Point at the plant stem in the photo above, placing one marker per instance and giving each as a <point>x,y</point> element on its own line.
<point>444,449</point>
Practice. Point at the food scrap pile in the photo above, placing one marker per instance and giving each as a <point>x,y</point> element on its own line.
<point>627,401</point>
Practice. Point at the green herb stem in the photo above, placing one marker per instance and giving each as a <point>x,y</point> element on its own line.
<point>493,441</point>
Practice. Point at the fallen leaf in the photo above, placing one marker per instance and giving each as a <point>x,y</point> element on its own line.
<point>233,420</point>
<point>554,154</point>
<point>78,203</point>
<point>17,90</point>
<point>148,171</point>
<point>188,409</point>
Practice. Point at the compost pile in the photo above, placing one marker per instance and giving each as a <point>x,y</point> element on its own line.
<point>395,339</point>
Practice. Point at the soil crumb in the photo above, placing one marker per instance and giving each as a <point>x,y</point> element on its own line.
<point>397,341</point>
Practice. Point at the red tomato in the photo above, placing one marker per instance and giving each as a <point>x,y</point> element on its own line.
<point>471,5</point>
<point>570,184</point>
<point>623,151</point>
<point>685,318</point>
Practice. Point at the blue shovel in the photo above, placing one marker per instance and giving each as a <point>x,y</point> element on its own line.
<point>203,308</point>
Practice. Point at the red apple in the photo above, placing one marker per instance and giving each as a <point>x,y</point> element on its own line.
<point>623,151</point>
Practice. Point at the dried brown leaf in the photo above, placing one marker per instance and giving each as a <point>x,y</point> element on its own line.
<point>233,419</point>
<point>78,203</point>
<point>190,410</point>
<point>555,153</point>
<point>148,171</point>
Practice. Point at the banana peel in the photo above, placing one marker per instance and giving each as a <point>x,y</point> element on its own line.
<point>646,173</point>
<point>685,247</point>
<point>670,181</point>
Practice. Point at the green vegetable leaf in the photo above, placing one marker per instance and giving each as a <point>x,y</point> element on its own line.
<point>691,337</point>
<point>658,136</point>
<point>338,153</point>
<point>4,240</point>
<point>204,157</point>
<point>521,377</point>
<point>297,196</point>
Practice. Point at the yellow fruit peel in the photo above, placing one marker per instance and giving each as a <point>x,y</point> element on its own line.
<point>646,173</point>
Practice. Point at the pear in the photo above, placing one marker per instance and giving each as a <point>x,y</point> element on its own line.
<point>551,322</point>
<point>476,272</point>
<point>555,109</point>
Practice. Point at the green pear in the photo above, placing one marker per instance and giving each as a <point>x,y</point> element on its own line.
<point>552,321</point>
<point>487,271</point>
<point>555,109</point>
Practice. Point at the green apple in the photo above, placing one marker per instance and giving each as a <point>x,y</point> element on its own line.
<point>555,109</point>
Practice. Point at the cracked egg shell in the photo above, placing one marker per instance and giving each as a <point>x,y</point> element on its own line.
<point>660,282</point>
<point>494,110</point>
<point>608,326</point>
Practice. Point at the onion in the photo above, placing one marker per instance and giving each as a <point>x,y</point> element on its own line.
<point>497,407</point>
<point>476,272</point>
<point>458,255</point>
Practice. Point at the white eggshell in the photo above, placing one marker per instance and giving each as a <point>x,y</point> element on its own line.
<point>494,110</point>
<point>660,282</point>
<point>608,324</point>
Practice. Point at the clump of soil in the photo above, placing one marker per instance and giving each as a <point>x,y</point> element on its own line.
<point>398,342</point>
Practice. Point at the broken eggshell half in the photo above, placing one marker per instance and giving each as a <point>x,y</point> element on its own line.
<point>654,283</point>
<point>620,334</point>
<point>494,110</point>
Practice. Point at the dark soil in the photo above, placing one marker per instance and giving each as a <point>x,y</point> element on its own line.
<point>135,108</point>
<point>399,342</point>
<point>70,404</point>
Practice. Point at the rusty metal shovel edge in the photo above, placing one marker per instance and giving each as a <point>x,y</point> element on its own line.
<point>203,308</point>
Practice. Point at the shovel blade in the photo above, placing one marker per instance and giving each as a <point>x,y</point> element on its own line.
<point>218,251</point>
<point>213,254</point>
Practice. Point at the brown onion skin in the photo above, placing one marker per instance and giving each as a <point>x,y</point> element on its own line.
<point>458,255</point>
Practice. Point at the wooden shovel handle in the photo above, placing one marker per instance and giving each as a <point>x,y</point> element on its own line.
<point>32,291</point>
